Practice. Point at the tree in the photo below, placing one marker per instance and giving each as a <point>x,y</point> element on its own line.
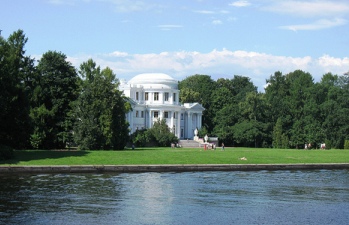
<point>100,110</point>
<point>162,134</point>
<point>142,138</point>
<point>198,88</point>
<point>275,94</point>
<point>299,84</point>
<point>280,139</point>
<point>55,88</point>
<point>15,67</point>
<point>252,125</point>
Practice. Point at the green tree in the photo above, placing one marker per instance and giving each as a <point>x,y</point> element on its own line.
<point>278,135</point>
<point>15,67</point>
<point>225,105</point>
<point>299,84</point>
<point>275,94</point>
<point>251,128</point>
<point>100,110</point>
<point>55,89</point>
<point>162,134</point>
<point>198,88</point>
<point>142,138</point>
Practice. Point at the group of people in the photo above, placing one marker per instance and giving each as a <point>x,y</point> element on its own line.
<point>213,146</point>
<point>309,146</point>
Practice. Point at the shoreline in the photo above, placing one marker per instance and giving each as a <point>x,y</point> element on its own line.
<point>167,168</point>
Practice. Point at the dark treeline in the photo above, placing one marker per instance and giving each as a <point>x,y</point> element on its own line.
<point>49,104</point>
<point>293,111</point>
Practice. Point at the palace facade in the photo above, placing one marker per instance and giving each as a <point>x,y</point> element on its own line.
<point>155,96</point>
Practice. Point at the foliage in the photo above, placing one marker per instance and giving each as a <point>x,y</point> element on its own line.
<point>55,88</point>
<point>158,135</point>
<point>142,138</point>
<point>100,110</point>
<point>198,88</point>
<point>346,144</point>
<point>162,134</point>
<point>280,139</point>
<point>202,132</point>
<point>15,69</point>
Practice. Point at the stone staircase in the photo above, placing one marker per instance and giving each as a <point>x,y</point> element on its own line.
<point>189,144</point>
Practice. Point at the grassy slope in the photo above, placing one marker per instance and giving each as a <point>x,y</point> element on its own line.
<point>177,156</point>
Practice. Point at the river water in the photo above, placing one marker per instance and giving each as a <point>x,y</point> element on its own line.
<point>237,197</point>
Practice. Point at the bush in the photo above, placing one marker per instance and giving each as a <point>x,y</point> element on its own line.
<point>6,152</point>
<point>159,135</point>
<point>346,144</point>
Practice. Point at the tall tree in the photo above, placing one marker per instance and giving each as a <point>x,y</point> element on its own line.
<point>56,87</point>
<point>100,110</point>
<point>275,94</point>
<point>252,127</point>
<point>299,83</point>
<point>14,102</point>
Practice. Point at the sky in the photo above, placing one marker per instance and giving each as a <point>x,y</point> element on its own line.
<point>252,38</point>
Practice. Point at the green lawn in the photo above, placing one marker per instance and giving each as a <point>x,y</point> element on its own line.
<point>177,156</point>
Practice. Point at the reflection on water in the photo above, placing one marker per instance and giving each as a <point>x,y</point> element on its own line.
<point>237,197</point>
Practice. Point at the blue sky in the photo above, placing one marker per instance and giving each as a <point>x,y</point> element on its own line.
<point>252,38</point>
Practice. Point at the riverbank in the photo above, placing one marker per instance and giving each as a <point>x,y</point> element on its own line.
<point>167,168</point>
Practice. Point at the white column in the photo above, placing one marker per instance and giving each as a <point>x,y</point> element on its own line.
<point>150,119</point>
<point>161,114</point>
<point>172,119</point>
<point>189,133</point>
<point>131,121</point>
<point>178,126</point>
<point>199,121</point>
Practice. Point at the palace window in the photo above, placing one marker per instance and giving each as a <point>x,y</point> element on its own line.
<point>166,96</point>
<point>156,96</point>
<point>142,114</point>
<point>166,115</point>
<point>137,95</point>
<point>146,96</point>
<point>137,114</point>
<point>182,116</point>
<point>174,115</point>
<point>156,114</point>
<point>174,97</point>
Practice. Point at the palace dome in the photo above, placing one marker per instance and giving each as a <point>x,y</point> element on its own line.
<point>154,80</point>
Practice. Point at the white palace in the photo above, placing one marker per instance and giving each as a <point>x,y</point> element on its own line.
<point>155,96</point>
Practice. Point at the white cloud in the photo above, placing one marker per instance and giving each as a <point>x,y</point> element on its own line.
<point>331,64</point>
<point>308,8</point>
<point>317,25</point>
<point>204,11</point>
<point>169,26</point>
<point>216,22</point>
<point>241,3</point>
<point>126,6</point>
<point>217,63</point>
<point>118,54</point>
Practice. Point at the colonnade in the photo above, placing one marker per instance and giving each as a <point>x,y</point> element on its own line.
<point>182,126</point>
